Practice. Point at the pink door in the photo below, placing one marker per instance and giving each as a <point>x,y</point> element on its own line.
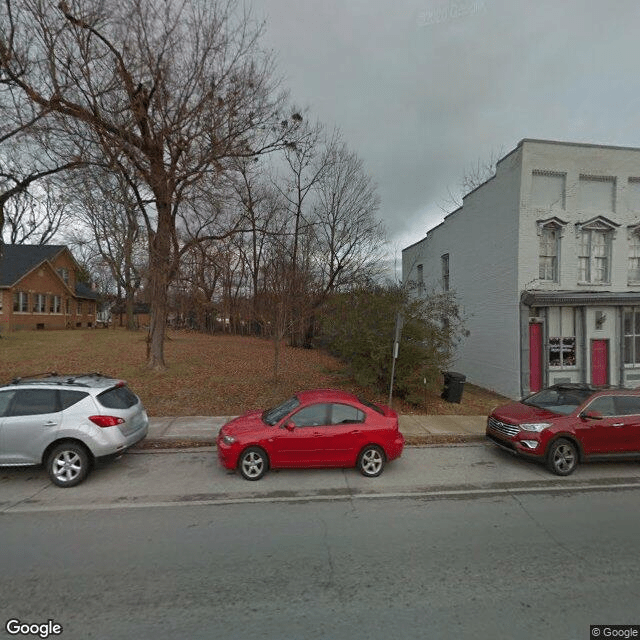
<point>599,362</point>
<point>535,357</point>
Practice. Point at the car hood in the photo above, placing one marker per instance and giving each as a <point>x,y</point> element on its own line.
<point>517,412</point>
<point>247,423</point>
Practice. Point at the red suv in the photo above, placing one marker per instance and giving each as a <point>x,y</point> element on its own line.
<point>569,423</point>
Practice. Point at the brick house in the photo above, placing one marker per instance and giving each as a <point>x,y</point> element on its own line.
<point>39,289</point>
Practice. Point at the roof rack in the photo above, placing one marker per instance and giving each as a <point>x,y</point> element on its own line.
<point>64,379</point>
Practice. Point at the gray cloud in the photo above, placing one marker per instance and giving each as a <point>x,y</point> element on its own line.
<point>424,89</point>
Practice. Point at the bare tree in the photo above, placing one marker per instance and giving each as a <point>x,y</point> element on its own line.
<point>174,88</point>
<point>473,177</point>
<point>108,207</point>
<point>36,215</point>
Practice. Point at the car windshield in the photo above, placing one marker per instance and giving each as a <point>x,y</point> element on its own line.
<point>273,416</point>
<point>563,400</point>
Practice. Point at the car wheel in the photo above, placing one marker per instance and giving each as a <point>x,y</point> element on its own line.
<point>371,461</point>
<point>68,464</point>
<point>562,458</point>
<point>253,463</point>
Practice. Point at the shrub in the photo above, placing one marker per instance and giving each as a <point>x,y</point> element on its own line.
<point>359,328</point>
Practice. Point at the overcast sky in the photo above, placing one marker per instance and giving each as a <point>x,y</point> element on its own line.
<point>424,89</point>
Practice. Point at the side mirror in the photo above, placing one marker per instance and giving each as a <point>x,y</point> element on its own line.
<point>289,426</point>
<point>591,415</point>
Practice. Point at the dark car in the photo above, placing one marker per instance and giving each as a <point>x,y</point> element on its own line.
<point>570,423</point>
<point>320,428</point>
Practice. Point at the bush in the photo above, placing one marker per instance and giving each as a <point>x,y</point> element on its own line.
<point>359,328</point>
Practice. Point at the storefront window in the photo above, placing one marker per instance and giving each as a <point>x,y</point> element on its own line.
<point>632,336</point>
<point>562,337</point>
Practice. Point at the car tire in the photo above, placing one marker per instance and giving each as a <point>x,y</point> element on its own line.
<point>562,458</point>
<point>253,463</point>
<point>371,461</point>
<point>68,464</point>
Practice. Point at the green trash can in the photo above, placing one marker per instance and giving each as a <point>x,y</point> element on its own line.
<point>453,386</point>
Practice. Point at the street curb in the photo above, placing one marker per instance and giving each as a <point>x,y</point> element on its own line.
<point>410,441</point>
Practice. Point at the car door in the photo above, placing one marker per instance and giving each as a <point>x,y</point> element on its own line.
<point>344,437</point>
<point>299,440</point>
<point>602,435</point>
<point>5,399</point>
<point>628,411</point>
<point>31,421</point>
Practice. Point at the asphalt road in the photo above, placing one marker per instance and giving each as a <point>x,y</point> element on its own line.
<point>514,565</point>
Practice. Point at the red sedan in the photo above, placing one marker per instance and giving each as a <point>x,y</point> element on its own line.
<point>320,428</point>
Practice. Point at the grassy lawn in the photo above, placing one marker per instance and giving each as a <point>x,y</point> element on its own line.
<point>206,375</point>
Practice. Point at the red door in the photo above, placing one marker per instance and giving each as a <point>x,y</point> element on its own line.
<point>599,362</point>
<point>535,357</point>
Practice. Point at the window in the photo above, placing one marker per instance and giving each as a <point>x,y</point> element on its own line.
<point>345,414</point>
<point>39,303</point>
<point>420,276</point>
<point>5,399</point>
<point>312,416</point>
<point>632,336</point>
<point>594,256</point>
<point>31,402</point>
<point>54,304</point>
<point>64,274</point>
<point>69,397</point>
<point>633,269</point>
<point>445,272</point>
<point>627,405</point>
<point>605,405</point>
<point>79,309</point>
<point>118,398</point>
<point>20,302</point>
<point>562,337</point>
<point>548,259</point>
<point>1,298</point>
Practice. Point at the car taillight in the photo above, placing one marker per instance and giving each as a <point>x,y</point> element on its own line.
<point>106,421</point>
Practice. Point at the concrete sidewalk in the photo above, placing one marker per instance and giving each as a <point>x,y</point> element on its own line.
<point>178,432</point>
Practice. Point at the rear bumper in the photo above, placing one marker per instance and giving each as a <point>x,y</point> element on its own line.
<point>395,449</point>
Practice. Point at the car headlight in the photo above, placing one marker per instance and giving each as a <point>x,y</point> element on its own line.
<point>535,426</point>
<point>228,439</point>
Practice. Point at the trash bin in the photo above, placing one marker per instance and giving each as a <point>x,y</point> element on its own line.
<point>453,386</point>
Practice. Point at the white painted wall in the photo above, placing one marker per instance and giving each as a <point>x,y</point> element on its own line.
<point>482,241</point>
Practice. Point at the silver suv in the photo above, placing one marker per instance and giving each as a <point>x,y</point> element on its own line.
<point>68,423</point>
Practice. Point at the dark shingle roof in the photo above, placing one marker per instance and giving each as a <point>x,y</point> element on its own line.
<point>85,291</point>
<point>18,259</point>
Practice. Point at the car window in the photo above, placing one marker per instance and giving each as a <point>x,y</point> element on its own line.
<point>69,397</point>
<point>31,402</point>
<point>345,414</point>
<point>371,405</point>
<point>5,399</point>
<point>118,398</point>
<point>311,416</point>
<point>627,405</point>
<point>604,405</point>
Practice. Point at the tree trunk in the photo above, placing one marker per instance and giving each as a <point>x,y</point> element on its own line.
<point>159,276</point>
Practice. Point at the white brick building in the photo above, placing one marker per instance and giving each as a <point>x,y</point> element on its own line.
<point>544,258</point>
